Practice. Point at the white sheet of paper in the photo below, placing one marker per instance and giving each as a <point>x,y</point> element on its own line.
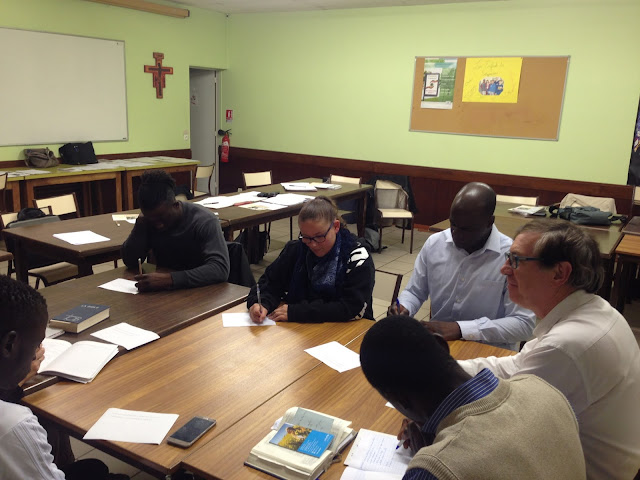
<point>336,356</point>
<point>298,187</point>
<point>216,202</point>
<point>126,335</point>
<point>81,238</point>
<point>130,217</point>
<point>376,452</point>
<point>121,285</point>
<point>132,426</point>
<point>263,206</point>
<point>243,320</point>
<point>288,199</point>
<point>389,404</point>
<point>351,473</point>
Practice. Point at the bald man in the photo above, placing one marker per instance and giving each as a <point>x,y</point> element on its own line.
<point>459,269</point>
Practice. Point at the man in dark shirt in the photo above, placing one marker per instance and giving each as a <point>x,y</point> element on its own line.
<point>183,237</point>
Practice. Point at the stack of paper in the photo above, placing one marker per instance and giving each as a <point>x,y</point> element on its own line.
<point>131,426</point>
<point>527,210</point>
<point>298,187</point>
<point>374,456</point>
<point>288,199</point>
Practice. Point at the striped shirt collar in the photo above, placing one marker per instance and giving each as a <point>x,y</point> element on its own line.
<point>473,389</point>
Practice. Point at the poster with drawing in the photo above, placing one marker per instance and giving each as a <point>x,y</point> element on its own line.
<point>492,80</point>
<point>438,82</point>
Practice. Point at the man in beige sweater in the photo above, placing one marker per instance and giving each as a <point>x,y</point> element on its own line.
<point>463,427</point>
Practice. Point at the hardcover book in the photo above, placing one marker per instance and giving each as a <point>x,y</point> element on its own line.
<point>80,318</point>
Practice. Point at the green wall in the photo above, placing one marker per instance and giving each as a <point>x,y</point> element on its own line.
<point>338,83</point>
<point>154,124</point>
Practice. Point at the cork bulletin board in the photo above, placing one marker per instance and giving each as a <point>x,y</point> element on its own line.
<point>536,115</point>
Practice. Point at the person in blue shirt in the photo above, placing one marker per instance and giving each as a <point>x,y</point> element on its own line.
<point>459,269</point>
<point>468,428</point>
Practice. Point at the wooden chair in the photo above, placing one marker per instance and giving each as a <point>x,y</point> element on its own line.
<point>262,179</point>
<point>381,287</point>
<point>392,205</point>
<point>49,274</point>
<point>531,201</point>
<point>4,178</point>
<point>203,172</point>
<point>347,208</point>
<point>64,206</point>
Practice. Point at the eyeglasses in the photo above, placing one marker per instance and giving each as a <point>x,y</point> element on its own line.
<point>514,260</point>
<point>317,238</point>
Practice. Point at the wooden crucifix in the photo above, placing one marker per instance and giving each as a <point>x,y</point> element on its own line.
<point>159,73</point>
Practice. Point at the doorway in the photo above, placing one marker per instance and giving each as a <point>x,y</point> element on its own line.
<point>204,120</point>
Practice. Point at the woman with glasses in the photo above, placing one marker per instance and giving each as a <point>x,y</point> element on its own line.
<point>324,275</point>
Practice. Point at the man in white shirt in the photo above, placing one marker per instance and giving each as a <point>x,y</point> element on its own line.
<point>24,450</point>
<point>459,269</point>
<point>582,345</point>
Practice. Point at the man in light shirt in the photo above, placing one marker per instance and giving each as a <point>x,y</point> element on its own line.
<point>581,345</point>
<point>459,269</point>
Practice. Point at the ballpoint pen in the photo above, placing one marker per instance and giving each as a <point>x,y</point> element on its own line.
<point>258,291</point>
<point>140,266</point>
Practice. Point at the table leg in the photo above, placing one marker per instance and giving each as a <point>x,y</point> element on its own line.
<point>605,291</point>
<point>228,234</point>
<point>118,182</point>
<point>128,191</point>
<point>20,261</point>
<point>85,269</point>
<point>619,290</point>
<point>15,197</point>
<point>29,193</point>
<point>362,214</point>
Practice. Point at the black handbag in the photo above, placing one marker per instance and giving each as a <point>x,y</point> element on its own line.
<point>78,153</point>
<point>585,215</point>
<point>40,158</point>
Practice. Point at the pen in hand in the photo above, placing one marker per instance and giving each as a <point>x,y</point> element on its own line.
<point>258,291</point>
<point>140,266</point>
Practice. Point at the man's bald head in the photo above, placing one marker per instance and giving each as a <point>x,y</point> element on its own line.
<point>476,196</point>
<point>471,216</point>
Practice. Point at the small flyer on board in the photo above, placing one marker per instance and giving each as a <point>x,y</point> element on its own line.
<point>302,439</point>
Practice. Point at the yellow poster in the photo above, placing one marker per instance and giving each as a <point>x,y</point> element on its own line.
<point>492,80</point>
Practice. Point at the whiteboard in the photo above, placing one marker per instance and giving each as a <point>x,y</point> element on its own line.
<point>61,88</point>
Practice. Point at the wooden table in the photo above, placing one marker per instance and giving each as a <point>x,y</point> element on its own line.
<point>607,237</point>
<point>65,174</point>
<point>628,259</point>
<point>39,238</point>
<point>135,171</point>
<point>345,395</point>
<point>204,369</point>
<point>240,218</point>
<point>162,312</point>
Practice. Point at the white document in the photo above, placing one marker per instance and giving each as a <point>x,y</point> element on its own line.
<point>336,356</point>
<point>288,199</point>
<point>351,473</point>
<point>389,404</point>
<point>80,362</point>
<point>121,285</point>
<point>126,335</point>
<point>376,452</point>
<point>216,202</point>
<point>326,186</point>
<point>132,426</point>
<point>243,320</point>
<point>298,187</point>
<point>262,206</point>
<point>130,217</point>
<point>81,238</point>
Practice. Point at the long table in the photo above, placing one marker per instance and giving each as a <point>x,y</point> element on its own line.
<point>239,218</point>
<point>345,395</point>
<point>204,369</point>
<point>39,238</point>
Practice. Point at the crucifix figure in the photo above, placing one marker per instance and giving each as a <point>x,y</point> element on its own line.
<point>159,72</point>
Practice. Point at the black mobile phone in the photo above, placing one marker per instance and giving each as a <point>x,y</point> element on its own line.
<point>191,431</point>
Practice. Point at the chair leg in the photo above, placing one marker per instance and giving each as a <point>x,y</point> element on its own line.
<point>290,228</point>
<point>37,283</point>
<point>404,224</point>
<point>379,239</point>
<point>411,244</point>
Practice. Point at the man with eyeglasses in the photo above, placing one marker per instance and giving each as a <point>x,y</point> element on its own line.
<point>459,269</point>
<point>581,345</point>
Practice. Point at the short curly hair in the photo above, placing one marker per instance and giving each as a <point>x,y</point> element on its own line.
<point>21,307</point>
<point>157,187</point>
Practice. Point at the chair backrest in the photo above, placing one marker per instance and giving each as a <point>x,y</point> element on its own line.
<point>7,218</point>
<point>532,201</point>
<point>62,205</point>
<point>603,203</point>
<point>340,179</point>
<point>204,171</point>
<point>3,180</point>
<point>390,195</point>
<point>239,269</point>
<point>256,179</point>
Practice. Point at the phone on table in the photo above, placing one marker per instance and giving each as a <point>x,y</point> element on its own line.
<point>191,431</point>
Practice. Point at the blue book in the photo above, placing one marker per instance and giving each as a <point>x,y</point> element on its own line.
<point>80,318</point>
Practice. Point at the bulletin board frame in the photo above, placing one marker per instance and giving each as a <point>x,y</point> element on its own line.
<point>535,116</point>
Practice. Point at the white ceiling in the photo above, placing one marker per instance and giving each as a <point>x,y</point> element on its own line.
<point>255,6</point>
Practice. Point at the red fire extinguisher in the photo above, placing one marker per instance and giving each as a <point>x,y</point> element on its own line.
<point>224,150</point>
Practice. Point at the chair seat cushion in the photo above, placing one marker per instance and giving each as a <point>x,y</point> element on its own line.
<point>56,272</point>
<point>395,213</point>
<point>5,256</point>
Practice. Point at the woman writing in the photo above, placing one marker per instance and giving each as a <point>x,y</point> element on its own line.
<point>325,275</point>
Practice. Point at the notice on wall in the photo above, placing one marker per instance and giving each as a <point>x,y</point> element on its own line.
<point>438,82</point>
<point>492,80</point>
